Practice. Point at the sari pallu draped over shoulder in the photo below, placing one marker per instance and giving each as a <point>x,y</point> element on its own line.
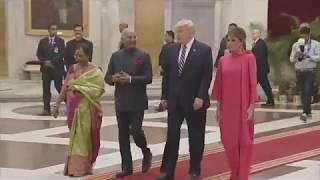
<point>84,113</point>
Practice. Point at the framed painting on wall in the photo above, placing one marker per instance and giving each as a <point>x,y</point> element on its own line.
<point>65,13</point>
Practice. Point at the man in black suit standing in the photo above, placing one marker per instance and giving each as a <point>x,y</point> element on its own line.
<point>130,71</point>
<point>50,52</point>
<point>260,51</point>
<point>169,40</point>
<point>72,46</point>
<point>187,78</point>
<point>223,45</point>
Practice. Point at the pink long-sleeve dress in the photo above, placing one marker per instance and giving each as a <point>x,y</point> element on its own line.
<point>235,90</point>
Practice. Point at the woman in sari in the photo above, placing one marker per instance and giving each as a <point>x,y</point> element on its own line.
<point>235,89</point>
<point>83,88</point>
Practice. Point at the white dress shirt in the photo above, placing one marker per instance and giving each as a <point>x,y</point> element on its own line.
<point>189,45</point>
<point>51,40</point>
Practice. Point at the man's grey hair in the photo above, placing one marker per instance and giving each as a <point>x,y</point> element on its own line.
<point>185,23</point>
<point>305,24</point>
<point>257,30</point>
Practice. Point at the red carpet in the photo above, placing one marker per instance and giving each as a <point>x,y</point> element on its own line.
<point>215,163</point>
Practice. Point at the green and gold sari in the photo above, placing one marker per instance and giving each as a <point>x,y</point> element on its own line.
<point>84,116</point>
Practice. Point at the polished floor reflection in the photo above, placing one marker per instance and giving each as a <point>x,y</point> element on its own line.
<point>34,147</point>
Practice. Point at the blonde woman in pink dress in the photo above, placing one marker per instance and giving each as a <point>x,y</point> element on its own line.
<point>236,93</point>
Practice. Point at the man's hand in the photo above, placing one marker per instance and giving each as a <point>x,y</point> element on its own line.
<point>164,104</point>
<point>198,103</point>
<point>48,64</point>
<point>250,112</point>
<point>55,112</point>
<point>124,78</point>
<point>116,77</point>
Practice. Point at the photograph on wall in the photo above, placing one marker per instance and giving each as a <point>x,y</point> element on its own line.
<point>64,13</point>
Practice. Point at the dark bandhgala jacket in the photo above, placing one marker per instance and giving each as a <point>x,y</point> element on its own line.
<point>137,63</point>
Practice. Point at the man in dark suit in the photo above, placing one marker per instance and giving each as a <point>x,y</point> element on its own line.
<point>72,46</point>
<point>168,39</point>
<point>260,51</point>
<point>50,52</point>
<point>130,71</point>
<point>187,78</point>
<point>223,45</point>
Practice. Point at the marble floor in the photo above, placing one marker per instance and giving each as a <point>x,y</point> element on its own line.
<point>33,147</point>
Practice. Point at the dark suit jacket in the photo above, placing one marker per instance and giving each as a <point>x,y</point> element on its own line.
<point>195,79</point>
<point>137,63</point>
<point>222,48</point>
<point>260,51</point>
<point>53,53</point>
<point>161,55</point>
<point>71,48</point>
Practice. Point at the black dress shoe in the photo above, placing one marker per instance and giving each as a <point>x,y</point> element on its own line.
<point>269,104</point>
<point>194,177</point>
<point>164,176</point>
<point>44,113</point>
<point>124,174</point>
<point>146,162</point>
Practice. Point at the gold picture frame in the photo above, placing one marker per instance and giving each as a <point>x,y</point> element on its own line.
<point>36,25</point>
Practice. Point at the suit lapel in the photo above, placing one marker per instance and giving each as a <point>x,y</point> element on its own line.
<point>257,44</point>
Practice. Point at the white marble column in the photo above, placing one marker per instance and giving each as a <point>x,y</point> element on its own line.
<point>168,24</point>
<point>110,32</point>
<point>127,11</point>
<point>95,32</point>
<point>243,12</point>
<point>201,12</point>
<point>21,48</point>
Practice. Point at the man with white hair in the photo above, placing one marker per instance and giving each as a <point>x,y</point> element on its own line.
<point>260,51</point>
<point>186,81</point>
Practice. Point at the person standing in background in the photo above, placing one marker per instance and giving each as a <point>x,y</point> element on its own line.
<point>71,46</point>
<point>315,89</point>
<point>168,41</point>
<point>123,27</point>
<point>50,52</point>
<point>305,54</point>
<point>223,45</point>
<point>130,71</point>
<point>260,51</point>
